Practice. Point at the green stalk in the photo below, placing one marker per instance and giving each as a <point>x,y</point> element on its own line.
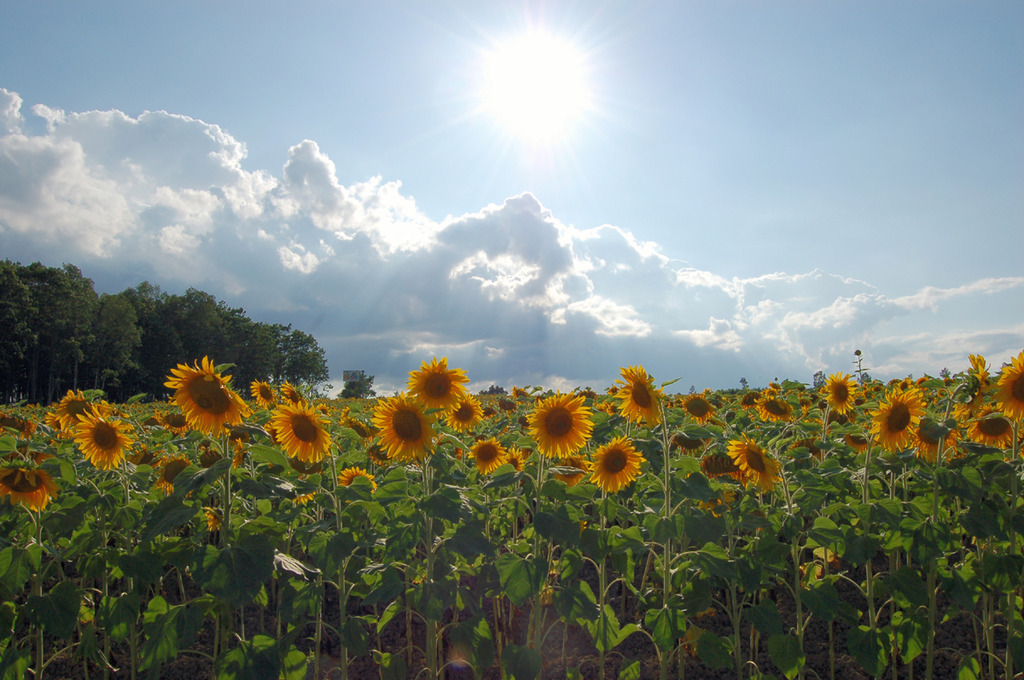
<point>1011,605</point>
<point>342,586</point>
<point>37,588</point>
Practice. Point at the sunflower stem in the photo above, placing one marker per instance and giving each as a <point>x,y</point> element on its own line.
<point>342,586</point>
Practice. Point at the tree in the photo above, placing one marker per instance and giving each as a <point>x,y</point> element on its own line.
<point>360,387</point>
<point>115,337</point>
<point>17,337</point>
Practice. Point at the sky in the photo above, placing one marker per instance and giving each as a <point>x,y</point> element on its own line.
<point>542,192</point>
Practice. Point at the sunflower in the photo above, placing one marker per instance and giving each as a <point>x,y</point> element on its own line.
<point>437,386</point>
<point>263,393</point>
<point>68,409</point>
<point>857,442</point>
<point>466,415</point>
<point>572,478</point>
<point>1010,389</point>
<point>291,394</point>
<point>718,464</point>
<point>928,445</point>
<point>839,392</point>
<point>560,425</point>
<point>488,455</point>
<point>377,455</point>
<point>772,408</point>
<point>175,423</point>
<point>167,469</point>
<point>300,432</point>
<point>205,397</point>
<point>516,457</point>
<point>992,429</point>
<point>749,399</point>
<point>699,408</point>
<point>30,486</point>
<point>756,465</point>
<point>103,440</point>
<point>615,465</point>
<point>404,429</point>
<point>897,417</point>
<point>978,384</point>
<point>212,519</point>
<point>640,399</point>
<point>23,426</point>
<point>359,427</point>
<point>346,476</point>
<point>685,443</point>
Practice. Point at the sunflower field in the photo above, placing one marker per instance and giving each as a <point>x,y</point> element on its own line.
<point>847,529</point>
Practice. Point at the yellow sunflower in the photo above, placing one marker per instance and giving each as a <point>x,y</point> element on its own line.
<point>488,455</point>
<point>300,432</point>
<point>263,393</point>
<point>773,408</point>
<point>699,408</point>
<point>205,397</point>
<point>103,440</point>
<point>466,415</point>
<point>23,426</point>
<point>517,458</point>
<point>1010,389</point>
<point>717,464</point>
<point>68,409</point>
<point>168,468</point>
<point>991,429</point>
<point>755,465</point>
<point>978,384</point>
<point>857,442</point>
<point>404,429</point>
<point>896,419</point>
<point>291,394</point>
<point>928,445</point>
<point>437,386</point>
<point>688,444</point>
<point>640,399</point>
<point>346,476</point>
<point>840,392</point>
<point>560,425</point>
<point>615,465</point>
<point>29,486</point>
<point>572,478</point>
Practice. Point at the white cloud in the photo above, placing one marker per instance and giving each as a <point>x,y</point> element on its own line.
<point>508,292</point>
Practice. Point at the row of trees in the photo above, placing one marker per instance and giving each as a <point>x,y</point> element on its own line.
<point>57,333</point>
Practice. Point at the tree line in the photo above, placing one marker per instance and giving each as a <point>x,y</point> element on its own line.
<point>57,333</point>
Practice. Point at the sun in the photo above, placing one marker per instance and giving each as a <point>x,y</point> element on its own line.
<point>535,86</point>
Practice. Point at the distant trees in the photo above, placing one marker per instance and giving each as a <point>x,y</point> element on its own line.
<point>358,385</point>
<point>57,334</point>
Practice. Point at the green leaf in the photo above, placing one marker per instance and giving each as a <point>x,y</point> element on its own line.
<point>521,578</point>
<point>116,614</point>
<point>785,653</point>
<point>15,662</point>
<point>713,560</point>
<point>969,669</point>
<point>630,672</point>
<point>765,617</point>
<point>392,666</point>
<point>606,631</point>
<point>521,663</point>
<point>57,611</point>
<point>168,514</point>
<point>469,541</point>
<point>444,504</point>
<point>388,614</point>
<point>268,454</point>
<point>161,631</point>
<point>666,627</point>
<point>16,566</point>
<point>558,527</point>
<point>869,648</point>
<point>471,640</point>
<point>826,604</point>
<point>236,573</point>
<point>714,650</point>
<point>192,478</point>
<point>288,564</point>
<point>255,659</point>
<point>910,634</point>
<point>908,588</point>
<point>575,601</point>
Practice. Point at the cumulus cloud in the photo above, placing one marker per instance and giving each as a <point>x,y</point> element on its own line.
<point>509,292</point>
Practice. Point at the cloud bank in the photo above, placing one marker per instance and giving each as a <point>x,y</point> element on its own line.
<point>510,293</point>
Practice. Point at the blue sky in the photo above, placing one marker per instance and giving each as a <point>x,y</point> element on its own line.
<point>752,189</point>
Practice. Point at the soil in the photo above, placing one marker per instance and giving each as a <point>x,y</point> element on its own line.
<point>569,649</point>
